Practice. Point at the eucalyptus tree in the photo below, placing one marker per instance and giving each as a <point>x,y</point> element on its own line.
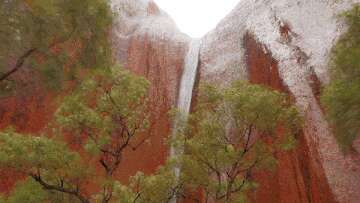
<point>53,38</point>
<point>84,146</point>
<point>232,132</point>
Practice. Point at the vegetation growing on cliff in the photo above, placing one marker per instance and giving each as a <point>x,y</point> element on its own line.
<point>342,97</point>
<point>51,38</point>
<point>232,132</point>
<point>92,129</point>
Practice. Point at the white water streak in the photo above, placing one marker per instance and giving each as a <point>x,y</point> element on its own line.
<point>187,83</point>
<point>188,77</point>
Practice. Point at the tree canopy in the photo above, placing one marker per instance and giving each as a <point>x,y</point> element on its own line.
<point>53,38</point>
<point>232,132</point>
<point>92,128</point>
<point>341,97</point>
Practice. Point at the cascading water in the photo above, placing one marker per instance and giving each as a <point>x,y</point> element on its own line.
<point>185,93</point>
<point>188,77</point>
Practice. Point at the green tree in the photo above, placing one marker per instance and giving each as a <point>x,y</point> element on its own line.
<point>30,191</point>
<point>341,97</point>
<point>27,191</point>
<point>48,36</point>
<point>232,132</point>
<point>47,161</point>
<point>101,119</point>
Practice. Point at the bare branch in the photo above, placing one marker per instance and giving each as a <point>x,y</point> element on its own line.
<point>134,148</point>
<point>60,188</point>
<point>19,63</point>
<point>22,59</point>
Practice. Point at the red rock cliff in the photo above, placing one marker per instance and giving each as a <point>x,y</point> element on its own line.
<point>147,42</point>
<point>282,44</point>
<point>285,45</point>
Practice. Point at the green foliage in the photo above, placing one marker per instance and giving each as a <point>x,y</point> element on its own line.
<point>264,109</point>
<point>41,156</point>
<point>30,191</point>
<point>28,154</point>
<point>154,188</point>
<point>160,187</point>
<point>110,109</point>
<point>101,119</point>
<point>341,98</point>
<point>60,33</point>
<point>123,194</point>
<point>107,102</point>
<point>229,137</point>
<point>27,191</point>
<point>232,132</point>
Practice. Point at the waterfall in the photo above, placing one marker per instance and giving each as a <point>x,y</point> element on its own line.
<point>188,78</point>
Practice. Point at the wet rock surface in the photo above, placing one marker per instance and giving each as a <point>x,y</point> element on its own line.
<point>288,50</point>
<point>281,44</point>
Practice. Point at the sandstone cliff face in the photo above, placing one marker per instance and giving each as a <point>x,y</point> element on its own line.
<point>308,184</point>
<point>279,43</point>
<point>28,110</point>
<point>147,42</point>
<point>286,45</point>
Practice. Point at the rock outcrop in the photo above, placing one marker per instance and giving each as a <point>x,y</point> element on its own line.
<point>286,45</point>
<point>147,42</point>
<point>28,110</point>
<point>279,43</point>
